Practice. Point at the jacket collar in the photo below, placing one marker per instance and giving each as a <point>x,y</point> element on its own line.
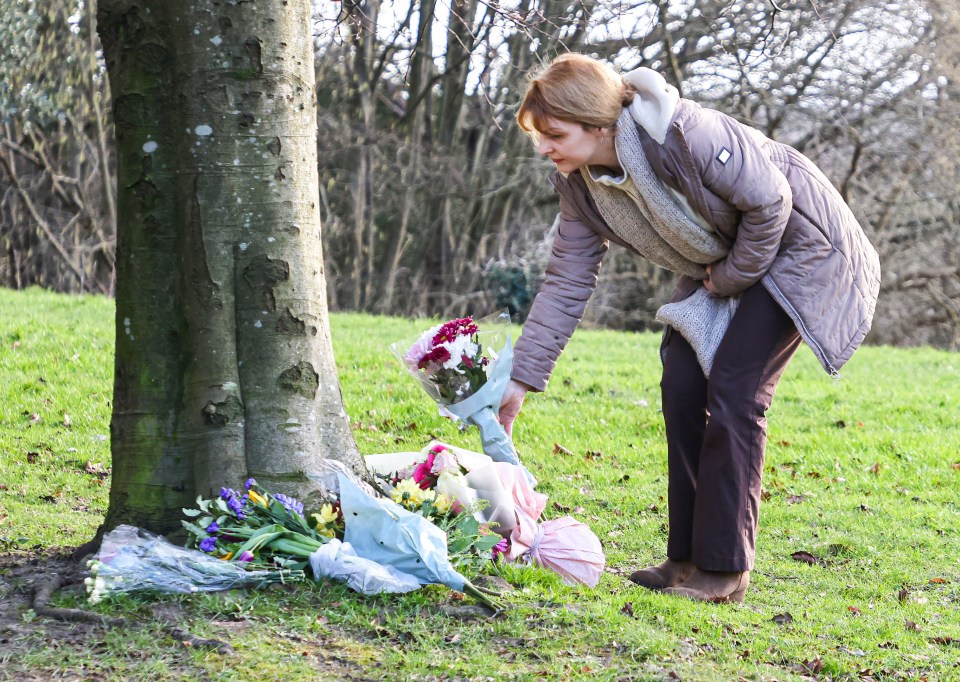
<point>655,103</point>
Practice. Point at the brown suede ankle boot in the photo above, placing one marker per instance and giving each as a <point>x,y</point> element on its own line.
<point>667,574</point>
<point>715,586</point>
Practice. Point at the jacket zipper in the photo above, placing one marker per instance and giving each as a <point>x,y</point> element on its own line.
<point>805,331</point>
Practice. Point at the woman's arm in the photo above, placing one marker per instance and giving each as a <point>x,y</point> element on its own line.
<point>570,279</point>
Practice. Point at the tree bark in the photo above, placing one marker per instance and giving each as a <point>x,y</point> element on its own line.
<point>224,363</point>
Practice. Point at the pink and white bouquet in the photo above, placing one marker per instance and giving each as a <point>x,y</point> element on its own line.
<point>465,369</point>
<point>481,493</point>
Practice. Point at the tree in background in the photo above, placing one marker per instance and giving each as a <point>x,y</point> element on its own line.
<point>433,202</point>
<point>57,198</point>
<point>224,365</point>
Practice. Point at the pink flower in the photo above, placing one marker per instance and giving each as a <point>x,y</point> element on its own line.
<point>438,355</point>
<point>463,326</point>
<point>501,547</point>
<point>445,460</point>
<point>423,475</point>
<point>245,556</point>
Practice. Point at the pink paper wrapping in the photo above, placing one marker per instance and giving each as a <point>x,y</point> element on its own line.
<point>564,545</point>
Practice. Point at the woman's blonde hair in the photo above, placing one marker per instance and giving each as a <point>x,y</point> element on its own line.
<point>574,88</point>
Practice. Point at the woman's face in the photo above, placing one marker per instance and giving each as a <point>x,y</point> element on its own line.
<point>570,145</point>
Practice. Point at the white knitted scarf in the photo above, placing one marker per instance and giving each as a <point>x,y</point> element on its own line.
<point>656,226</point>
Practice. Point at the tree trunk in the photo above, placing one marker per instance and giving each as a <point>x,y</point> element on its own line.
<point>224,364</point>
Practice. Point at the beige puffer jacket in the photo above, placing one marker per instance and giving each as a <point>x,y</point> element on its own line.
<point>788,225</point>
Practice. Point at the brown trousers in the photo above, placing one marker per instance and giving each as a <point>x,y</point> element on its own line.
<point>717,432</point>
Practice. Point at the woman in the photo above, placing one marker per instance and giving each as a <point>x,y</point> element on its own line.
<point>748,223</point>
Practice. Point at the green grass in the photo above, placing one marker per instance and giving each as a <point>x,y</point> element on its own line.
<point>860,473</point>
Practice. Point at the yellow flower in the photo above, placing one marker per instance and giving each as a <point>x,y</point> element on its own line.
<point>227,556</point>
<point>257,498</point>
<point>408,494</point>
<point>442,503</point>
<point>326,515</point>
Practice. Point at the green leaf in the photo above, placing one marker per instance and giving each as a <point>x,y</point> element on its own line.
<point>192,513</point>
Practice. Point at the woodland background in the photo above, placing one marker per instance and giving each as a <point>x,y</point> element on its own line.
<point>434,203</point>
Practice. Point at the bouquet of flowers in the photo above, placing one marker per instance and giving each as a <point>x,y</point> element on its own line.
<point>259,528</point>
<point>134,559</point>
<point>465,370</point>
<point>367,542</point>
<point>494,495</point>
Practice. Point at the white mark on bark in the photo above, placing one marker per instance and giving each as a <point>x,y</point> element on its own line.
<point>236,162</point>
<point>239,200</point>
<point>150,147</point>
<point>203,130</point>
<point>229,386</point>
<point>271,239</point>
<point>216,40</point>
<point>243,246</point>
<point>258,324</point>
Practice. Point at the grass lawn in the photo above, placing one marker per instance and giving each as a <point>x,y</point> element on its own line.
<point>858,565</point>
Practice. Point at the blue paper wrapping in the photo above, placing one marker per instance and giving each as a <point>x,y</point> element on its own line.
<point>481,409</point>
<point>381,530</point>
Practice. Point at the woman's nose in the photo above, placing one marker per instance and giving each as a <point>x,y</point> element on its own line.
<point>543,146</point>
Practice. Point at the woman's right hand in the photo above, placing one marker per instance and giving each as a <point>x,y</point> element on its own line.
<point>510,404</point>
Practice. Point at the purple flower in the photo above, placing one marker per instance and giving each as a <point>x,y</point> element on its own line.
<point>250,483</point>
<point>208,544</point>
<point>236,506</point>
<point>291,504</point>
<point>213,527</point>
<point>246,555</point>
<point>500,548</point>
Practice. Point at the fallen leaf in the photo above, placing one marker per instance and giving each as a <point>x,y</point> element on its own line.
<point>888,645</point>
<point>782,618</point>
<point>840,424</point>
<point>593,454</point>
<point>560,508</point>
<point>854,610</point>
<point>67,421</point>
<point>627,609</point>
<point>815,666</point>
<point>860,424</point>
<point>765,495</point>
<point>35,418</point>
<point>15,346</point>
<point>939,581</point>
<point>902,595</point>
<point>784,443</point>
<point>32,457</point>
<point>955,465</point>
<point>910,625</point>
<point>875,469</point>
<point>795,499</point>
<point>943,640</point>
<point>805,557</point>
<point>560,450</point>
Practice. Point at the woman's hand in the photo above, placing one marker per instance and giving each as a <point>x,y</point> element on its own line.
<point>510,404</point>
<point>707,284</point>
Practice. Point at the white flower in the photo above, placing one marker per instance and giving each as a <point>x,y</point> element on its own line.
<point>454,486</point>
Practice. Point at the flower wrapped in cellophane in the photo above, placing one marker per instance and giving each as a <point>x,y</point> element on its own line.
<point>465,366</point>
<point>132,559</point>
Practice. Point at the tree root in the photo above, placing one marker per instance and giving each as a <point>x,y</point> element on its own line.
<point>41,598</point>
<point>45,589</point>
